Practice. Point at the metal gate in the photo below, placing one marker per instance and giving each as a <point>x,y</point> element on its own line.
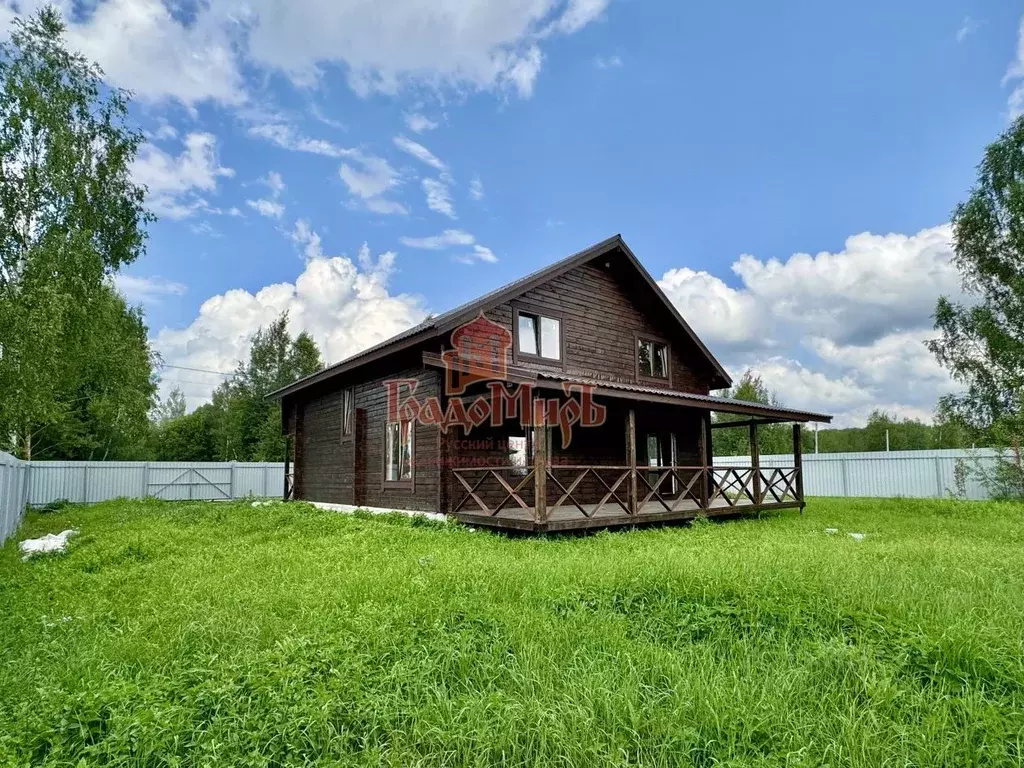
<point>190,481</point>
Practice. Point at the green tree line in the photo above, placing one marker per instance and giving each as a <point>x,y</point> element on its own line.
<point>903,434</point>
<point>77,376</point>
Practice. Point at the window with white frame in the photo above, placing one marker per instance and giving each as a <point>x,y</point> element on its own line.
<point>652,359</point>
<point>398,453</point>
<point>539,336</point>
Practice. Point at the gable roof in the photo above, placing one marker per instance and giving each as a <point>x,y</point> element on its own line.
<point>444,323</point>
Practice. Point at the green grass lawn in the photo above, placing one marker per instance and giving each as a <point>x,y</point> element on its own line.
<point>223,635</point>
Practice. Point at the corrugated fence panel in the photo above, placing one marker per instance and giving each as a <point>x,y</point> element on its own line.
<point>13,494</point>
<point>881,474</point>
<point>259,480</point>
<point>92,481</point>
<point>885,474</point>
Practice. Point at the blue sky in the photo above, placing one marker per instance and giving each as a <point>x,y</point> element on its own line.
<point>361,167</point>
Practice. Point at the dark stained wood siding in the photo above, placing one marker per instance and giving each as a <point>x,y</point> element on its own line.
<point>371,397</point>
<point>323,461</point>
<point>602,310</point>
<point>326,464</point>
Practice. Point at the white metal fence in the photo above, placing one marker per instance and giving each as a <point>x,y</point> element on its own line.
<point>38,483</point>
<point>881,474</point>
<point>13,493</point>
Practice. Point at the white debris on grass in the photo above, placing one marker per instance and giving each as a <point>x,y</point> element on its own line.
<point>268,503</point>
<point>51,542</point>
<point>858,536</point>
<point>831,531</point>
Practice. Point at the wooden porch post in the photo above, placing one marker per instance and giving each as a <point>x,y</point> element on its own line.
<point>755,462</point>
<point>703,485</point>
<point>631,458</point>
<point>798,461</point>
<point>540,472</point>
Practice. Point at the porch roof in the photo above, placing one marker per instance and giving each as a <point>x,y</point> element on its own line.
<point>672,397</point>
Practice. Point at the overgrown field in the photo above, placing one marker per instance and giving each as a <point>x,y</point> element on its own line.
<point>222,634</point>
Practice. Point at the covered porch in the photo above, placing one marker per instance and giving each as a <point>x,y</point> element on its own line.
<point>651,462</point>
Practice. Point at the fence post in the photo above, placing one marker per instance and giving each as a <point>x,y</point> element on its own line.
<point>85,484</point>
<point>231,482</point>
<point>145,481</point>
<point>846,484</point>
<point>938,478</point>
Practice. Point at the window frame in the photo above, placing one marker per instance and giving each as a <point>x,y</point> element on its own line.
<point>348,425</point>
<point>538,313</point>
<point>410,483</point>
<point>638,338</point>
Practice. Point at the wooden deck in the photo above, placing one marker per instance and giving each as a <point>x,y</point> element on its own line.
<point>568,517</point>
<point>624,496</point>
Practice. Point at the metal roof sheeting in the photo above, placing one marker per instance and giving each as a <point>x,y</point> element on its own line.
<point>705,402</point>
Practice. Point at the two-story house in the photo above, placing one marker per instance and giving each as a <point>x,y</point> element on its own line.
<point>575,397</point>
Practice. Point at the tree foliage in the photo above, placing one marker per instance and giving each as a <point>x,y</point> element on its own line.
<point>70,217</point>
<point>771,438</point>
<point>904,435</point>
<point>240,424</point>
<point>982,340</point>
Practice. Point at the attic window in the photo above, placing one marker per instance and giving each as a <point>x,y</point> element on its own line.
<point>538,336</point>
<point>651,359</point>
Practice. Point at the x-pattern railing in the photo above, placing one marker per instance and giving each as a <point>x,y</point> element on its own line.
<point>669,498</point>
<point>611,489</point>
<point>778,483</point>
<point>512,492</point>
<point>734,485</point>
<point>672,489</point>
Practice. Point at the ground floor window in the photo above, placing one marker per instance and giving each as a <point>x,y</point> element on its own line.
<point>398,455</point>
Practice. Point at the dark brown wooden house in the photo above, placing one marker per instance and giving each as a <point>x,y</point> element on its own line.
<point>574,397</point>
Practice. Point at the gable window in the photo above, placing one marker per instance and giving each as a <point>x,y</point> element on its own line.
<point>651,359</point>
<point>347,412</point>
<point>538,336</point>
<point>398,452</point>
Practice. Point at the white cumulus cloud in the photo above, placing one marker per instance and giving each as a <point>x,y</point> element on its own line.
<point>859,316</point>
<point>174,182</point>
<point>383,47</point>
<point>344,303</point>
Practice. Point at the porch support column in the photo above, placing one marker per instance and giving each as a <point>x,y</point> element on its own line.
<point>704,484</point>
<point>709,456</point>
<point>755,462</point>
<point>540,472</point>
<point>798,465</point>
<point>631,458</point>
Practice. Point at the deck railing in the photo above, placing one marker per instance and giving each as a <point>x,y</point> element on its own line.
<point>589,491</point>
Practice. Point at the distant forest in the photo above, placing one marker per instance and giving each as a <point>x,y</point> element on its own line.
<point>904,434</point>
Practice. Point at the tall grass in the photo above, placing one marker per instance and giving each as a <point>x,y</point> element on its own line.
<point>219,634</point>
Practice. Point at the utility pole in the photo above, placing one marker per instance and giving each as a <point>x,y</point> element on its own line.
<point>815,438</point>
<point>887,441</point>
